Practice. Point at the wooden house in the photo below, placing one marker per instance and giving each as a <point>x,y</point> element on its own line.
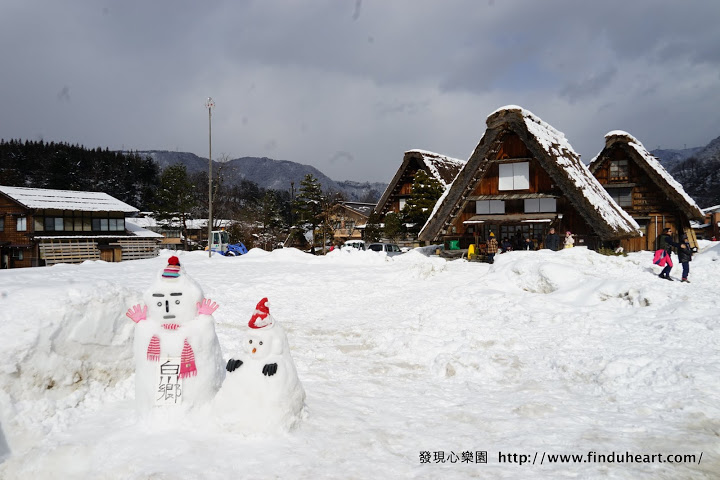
<point>642,187</point>
<point>348,219</point>
<point>523,179</point>
<point>44,227</point>
<point>442,168</point>
<point>711,228</point>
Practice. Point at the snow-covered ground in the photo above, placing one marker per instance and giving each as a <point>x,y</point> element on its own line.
<point>549,353</point>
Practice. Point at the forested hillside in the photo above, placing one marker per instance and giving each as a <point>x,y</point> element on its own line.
<point>128,177</point>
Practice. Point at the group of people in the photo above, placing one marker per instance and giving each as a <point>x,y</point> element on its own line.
<point>552,242</point>
<point>663,251</point>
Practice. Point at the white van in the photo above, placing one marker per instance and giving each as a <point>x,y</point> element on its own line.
<point>359,244</point>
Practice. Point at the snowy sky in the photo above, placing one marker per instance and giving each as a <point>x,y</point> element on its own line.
<point>349,85</point>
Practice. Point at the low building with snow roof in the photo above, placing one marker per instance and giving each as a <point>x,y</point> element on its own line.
<point>44,227</point>
<point>523,179</point>
<point>642,187</point>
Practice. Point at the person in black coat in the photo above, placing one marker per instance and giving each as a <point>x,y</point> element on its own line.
<point>664,244</point>
<point>685,254</point>
<point>552,241</point>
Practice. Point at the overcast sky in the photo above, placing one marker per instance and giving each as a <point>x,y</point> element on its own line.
<point>349,85</point>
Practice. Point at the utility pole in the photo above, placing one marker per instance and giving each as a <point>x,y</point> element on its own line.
<point>210,104</point>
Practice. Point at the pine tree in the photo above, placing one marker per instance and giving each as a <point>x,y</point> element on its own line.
<point>394,228</point>
<point>174,197</point>
<point>373,230</point>
<point>307,206</point>
<point>425,193</point>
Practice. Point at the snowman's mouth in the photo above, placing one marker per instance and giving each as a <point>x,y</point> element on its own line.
<point>168,316</point>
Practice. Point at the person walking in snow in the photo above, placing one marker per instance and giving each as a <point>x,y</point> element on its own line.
<point>685,254</point>
<point>569,240</point>
<point>663,245</point>
<point>552,241</point>
<point>492,248</point>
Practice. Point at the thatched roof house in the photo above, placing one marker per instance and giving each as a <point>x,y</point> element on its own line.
<point>642,187</point>
<point>440,167</point>
<point>524,178</point>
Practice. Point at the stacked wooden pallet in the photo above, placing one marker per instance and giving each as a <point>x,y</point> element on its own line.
<point>137,249</point>
<point>68,251</point>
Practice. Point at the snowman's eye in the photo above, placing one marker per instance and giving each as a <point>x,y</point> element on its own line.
<point>250,341</point>
<point>177,302</point>
<point>159,304</point>
<point>260,343</point>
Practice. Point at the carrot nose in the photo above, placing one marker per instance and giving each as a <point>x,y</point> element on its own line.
<point>254,350</point>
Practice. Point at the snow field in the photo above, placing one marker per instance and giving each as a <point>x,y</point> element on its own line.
<point>558,352</point>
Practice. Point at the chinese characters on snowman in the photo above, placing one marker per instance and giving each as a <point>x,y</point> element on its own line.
<point>177,353</point>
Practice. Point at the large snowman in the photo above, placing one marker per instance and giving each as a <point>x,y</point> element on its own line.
<point>178,360</point>
<point>262,391</point>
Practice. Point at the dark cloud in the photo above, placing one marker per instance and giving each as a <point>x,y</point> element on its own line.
<point>591,86</point>
<point>312,81</point>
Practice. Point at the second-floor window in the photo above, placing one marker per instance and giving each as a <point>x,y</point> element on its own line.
<point>514,176</point>
<point>22,224</point>
<point>619,170</point>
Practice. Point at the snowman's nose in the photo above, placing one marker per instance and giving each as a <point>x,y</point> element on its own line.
<point>254,350</point>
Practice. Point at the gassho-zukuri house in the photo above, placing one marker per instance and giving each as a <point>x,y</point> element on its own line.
<point>437,166</point>
<point>44,227</point>
<point>523,179</point>
<point>640,185</point>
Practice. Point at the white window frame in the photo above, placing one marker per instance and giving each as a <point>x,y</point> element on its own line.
<point>489,207</point>
<point>540,205</point>
<point>514,176</point>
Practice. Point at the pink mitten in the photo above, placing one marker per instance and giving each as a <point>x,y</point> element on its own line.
<point>137,313</point>
<point>207,307</point>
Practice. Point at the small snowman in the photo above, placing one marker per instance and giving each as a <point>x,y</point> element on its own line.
<point>262,391</point>
<point>178,360</point>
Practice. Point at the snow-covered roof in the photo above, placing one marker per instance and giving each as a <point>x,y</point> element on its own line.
<point>652,165</point>
<point>557,157</point>
<point>41,198</point>
<point>556,145</point>
<point>137,230</point>
<point>441,167</point>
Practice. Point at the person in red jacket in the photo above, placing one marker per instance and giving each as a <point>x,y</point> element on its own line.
<point>664,244</point>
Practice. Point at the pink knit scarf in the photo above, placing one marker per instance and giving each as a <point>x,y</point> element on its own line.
<point>187,357</point>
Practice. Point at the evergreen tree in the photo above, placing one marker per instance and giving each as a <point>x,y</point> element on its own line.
<point>425,193</point>
<point>175,197</point>
<point>373,229</point>
<point>394,228</point>
<point>307,206</point>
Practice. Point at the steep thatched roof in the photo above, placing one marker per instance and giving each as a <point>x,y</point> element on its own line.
<point>440,167</point>
<point>651,165</point>
<point>559,160</point>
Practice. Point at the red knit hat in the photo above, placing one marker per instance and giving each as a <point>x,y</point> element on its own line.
<point>172,270</point>
<point>261,318</point>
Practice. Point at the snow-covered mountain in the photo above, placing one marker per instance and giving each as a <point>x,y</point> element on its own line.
<point>672,157</point>
<point>268,173</point>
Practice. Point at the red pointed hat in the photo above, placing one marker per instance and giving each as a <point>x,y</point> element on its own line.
<point>261,318</point>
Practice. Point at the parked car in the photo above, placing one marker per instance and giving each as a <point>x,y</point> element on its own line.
<point>389,248</point>
<point>359,244</point>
